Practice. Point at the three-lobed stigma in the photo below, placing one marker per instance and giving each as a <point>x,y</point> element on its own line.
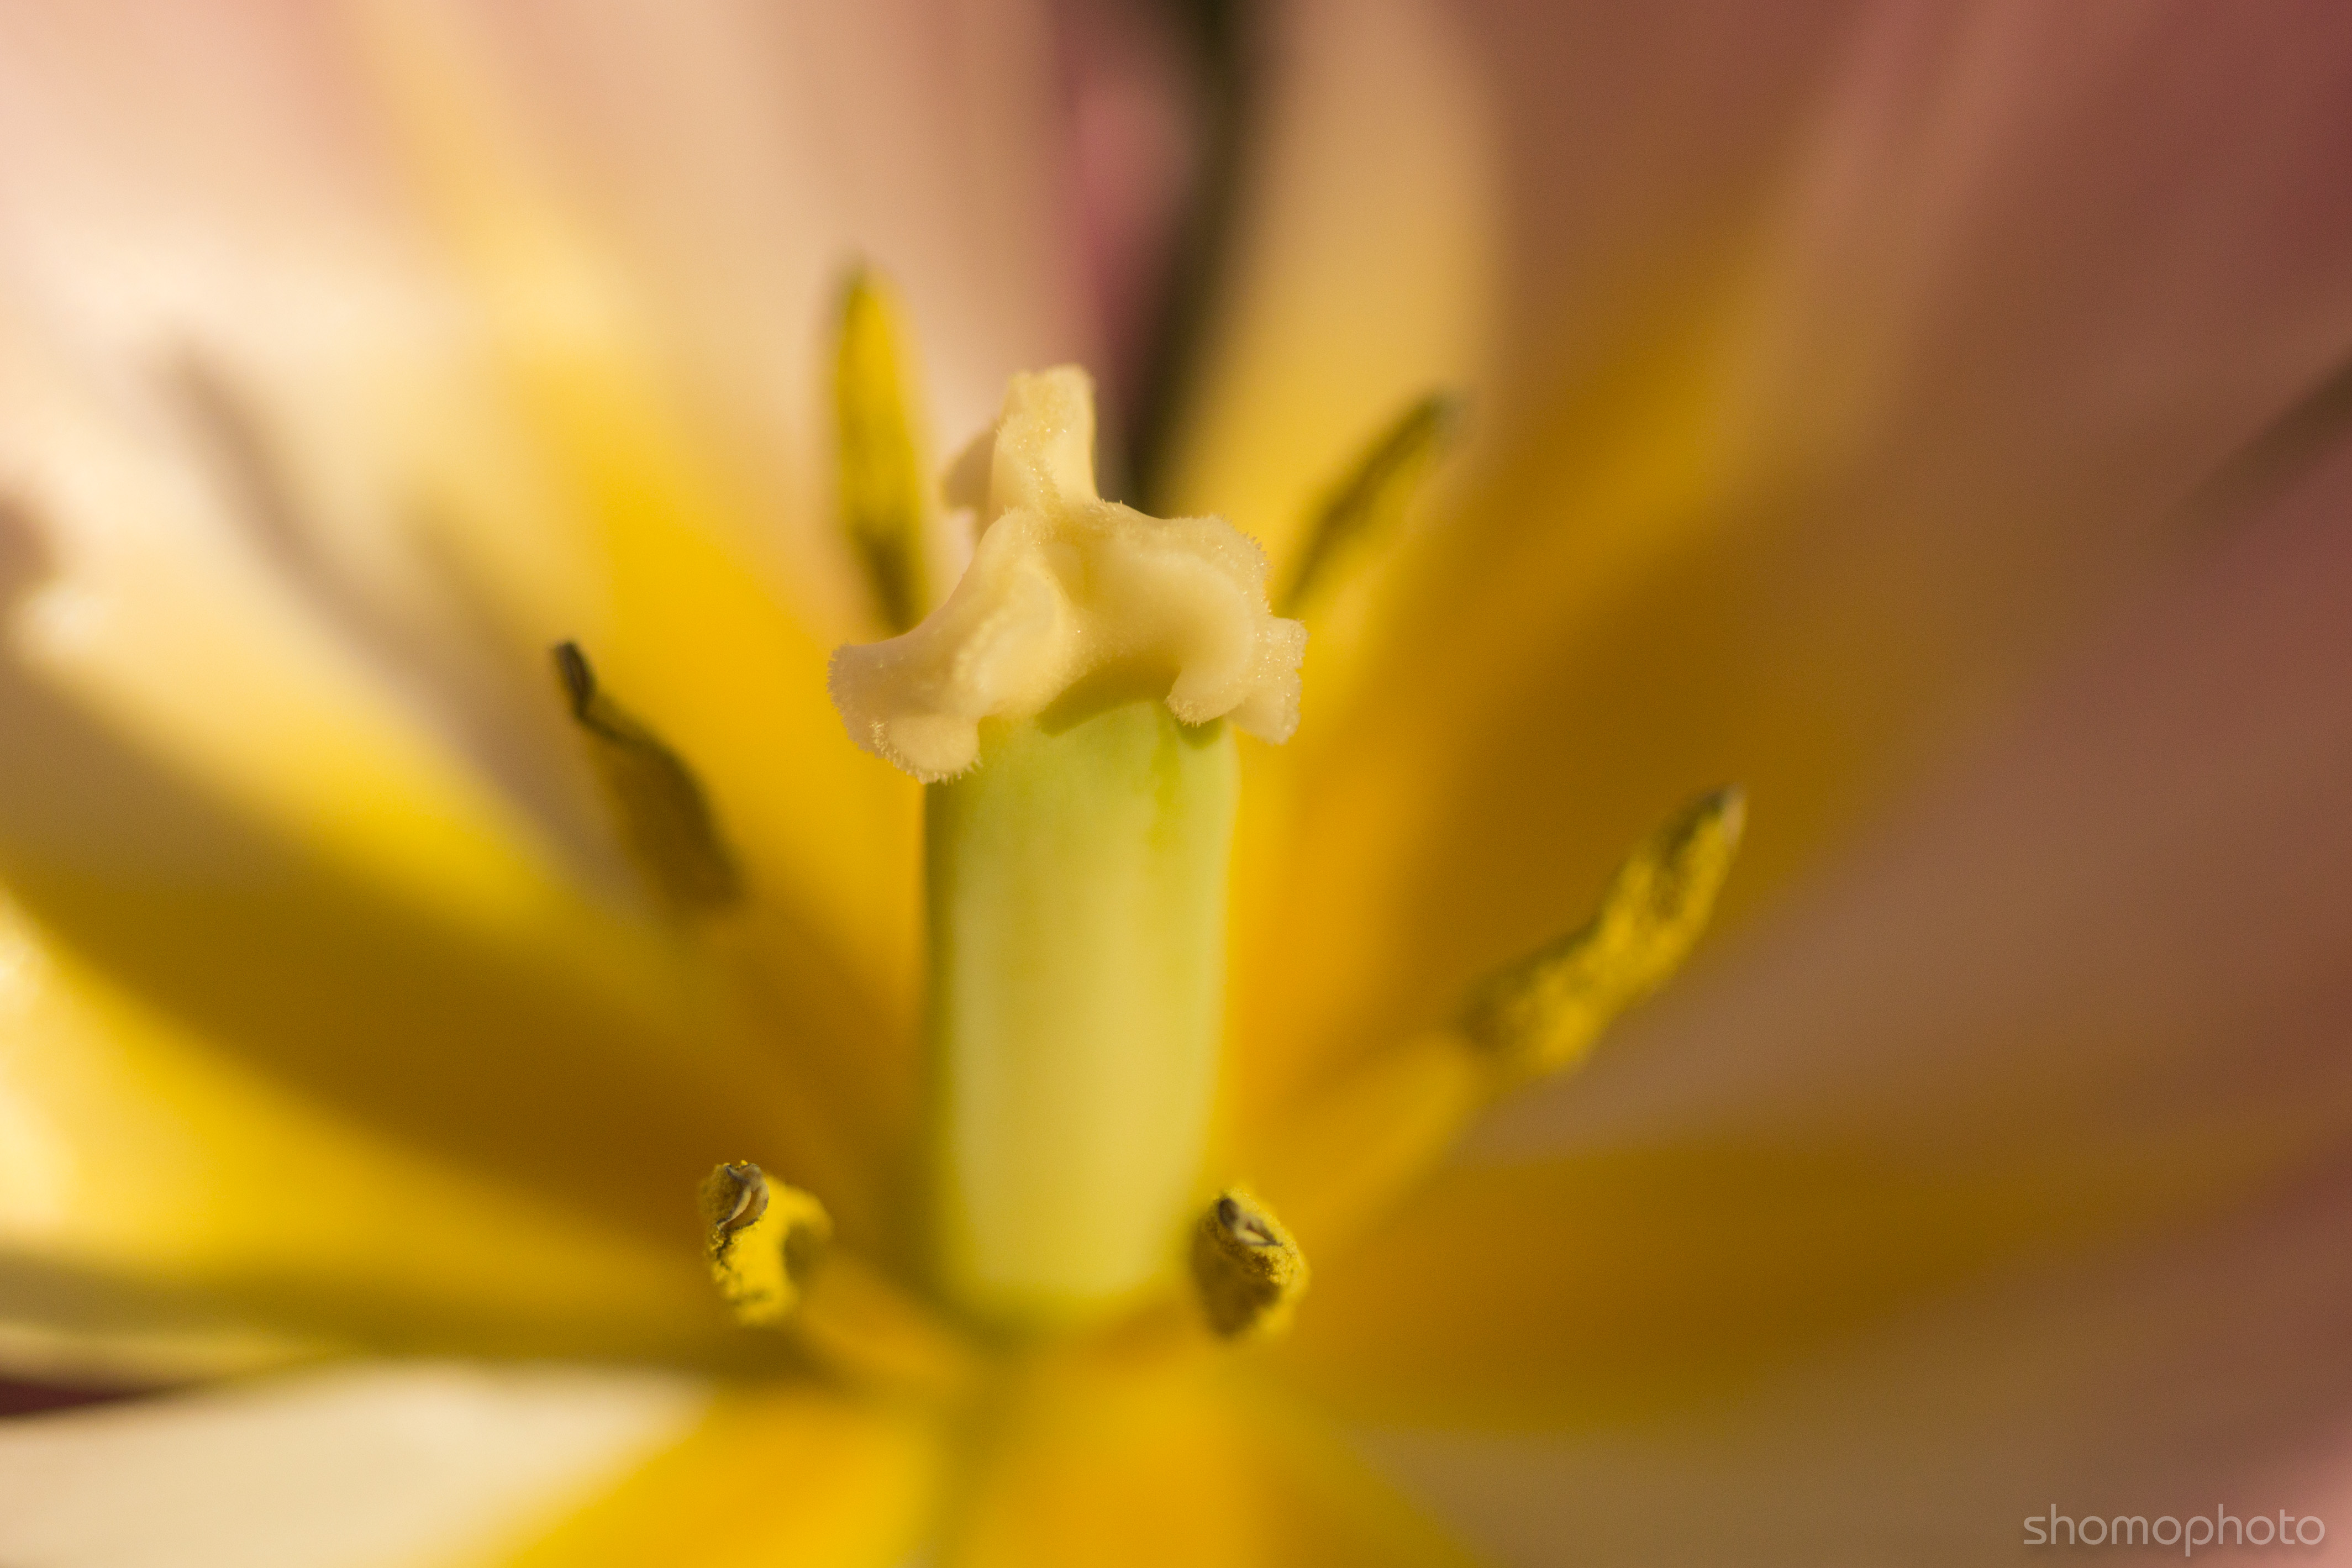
<point>1065,587</point>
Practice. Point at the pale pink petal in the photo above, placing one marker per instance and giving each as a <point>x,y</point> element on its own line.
<point>2207,1373</point>
<point>2132,902</point>
<point>740,156</point>
<point>2007,1166</point>
<point>1138,105</point>
<point>1859,352</point>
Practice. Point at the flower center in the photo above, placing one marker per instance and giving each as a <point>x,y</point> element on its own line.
<point>1070,707</point>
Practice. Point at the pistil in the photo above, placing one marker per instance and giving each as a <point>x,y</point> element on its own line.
<point>1071,704</point>
<point>1077,892</point>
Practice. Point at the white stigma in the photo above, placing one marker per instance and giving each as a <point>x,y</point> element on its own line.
<point>1065,586</point>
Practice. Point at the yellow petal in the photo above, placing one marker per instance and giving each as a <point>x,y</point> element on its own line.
<point>228,802</point>
<point>1602,1289</point>
<point>263,845</point>
<point>2066,1390</point>
<point>165,1208</point>
<point>682,616</point>
<point>795,1476</point>
<point>2086,994</point>
<point>692,446</point>
<point>1173,1464</point>
<point>232,194</point>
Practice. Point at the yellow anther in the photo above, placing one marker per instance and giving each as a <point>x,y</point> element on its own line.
<point>884,486</point>
<point>1249,1272</point>
<point>765,1241</point>
<point>1372,498</point>
<point>665,818</point>
<point>1543,1013</point>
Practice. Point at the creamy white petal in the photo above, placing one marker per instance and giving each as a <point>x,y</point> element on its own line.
<point>366,1466</point>
<point>261,337</point>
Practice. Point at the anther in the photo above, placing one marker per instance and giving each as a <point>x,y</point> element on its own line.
<point>1371,500</point>
<point>750,1198</point>
<point>1544,1012</point>
<point>665,818</point>
<point>1248,1271</point>
<point>765,1240</point>
<point>884,488</point>
<point>1242,1225</point>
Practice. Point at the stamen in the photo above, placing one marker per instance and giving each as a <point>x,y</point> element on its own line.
<point>665,818</point>
<point>1065,587</point>
<point>1344,1157</point>
<point>765,1240</point>
<point>1248,1271</point>
<point>884,487</point>
<point>1543,1012</point>
<point>1371,500</point>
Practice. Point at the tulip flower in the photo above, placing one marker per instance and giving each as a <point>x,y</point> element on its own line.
<point>651,912</point>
